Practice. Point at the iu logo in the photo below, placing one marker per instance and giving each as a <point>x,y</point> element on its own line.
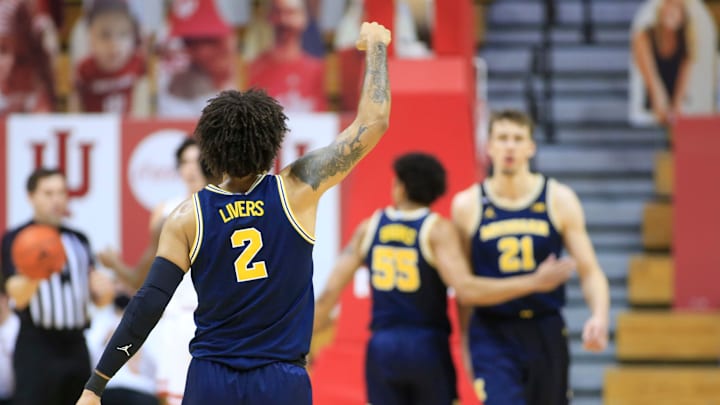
<point>62,161</point>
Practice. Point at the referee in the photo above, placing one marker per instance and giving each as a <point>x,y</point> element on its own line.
<point>51,360</point>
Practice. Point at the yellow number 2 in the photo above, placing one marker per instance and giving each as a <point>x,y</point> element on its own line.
<point>395,268</point>
<point>516,254</point>
<point>245,268</point>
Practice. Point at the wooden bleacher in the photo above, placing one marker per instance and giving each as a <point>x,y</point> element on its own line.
<point>657,226</point>
<point>641,385</point>
<point>650,280</point>
<point>663,173</point>
<point>667,336</point>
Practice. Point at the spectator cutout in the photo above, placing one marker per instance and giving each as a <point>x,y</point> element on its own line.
<point>109,78</point>
<point>198,59</point>
<point>674,46</point>
<point>26,76</point>
<point>287,71</point>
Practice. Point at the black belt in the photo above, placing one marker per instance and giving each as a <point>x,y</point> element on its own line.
<point>522,314</point>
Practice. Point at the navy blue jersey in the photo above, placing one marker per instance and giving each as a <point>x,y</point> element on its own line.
<point>407,290</point>
<point>511,242</point>
<point>252,270</point>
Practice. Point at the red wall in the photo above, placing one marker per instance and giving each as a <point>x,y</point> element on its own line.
<point>696,213</point>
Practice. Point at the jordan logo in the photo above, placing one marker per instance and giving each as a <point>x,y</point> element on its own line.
<point>125,349</point>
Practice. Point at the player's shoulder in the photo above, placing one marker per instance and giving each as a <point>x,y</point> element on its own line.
<point>184,210</point>
<point>438,225</point>
<point>560,192</point>
<point>465,199</point>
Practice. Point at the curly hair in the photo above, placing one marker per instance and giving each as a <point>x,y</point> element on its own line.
<point>422,175</point>
<point>240,133</point>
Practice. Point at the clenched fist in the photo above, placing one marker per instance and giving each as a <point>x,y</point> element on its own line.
<point>372,33</point>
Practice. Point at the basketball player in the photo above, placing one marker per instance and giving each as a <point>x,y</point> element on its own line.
<point>53,311</point>
<point>249,242</point>
<point>413,254</point>
<point>176,327</point>
<point>511,222</point>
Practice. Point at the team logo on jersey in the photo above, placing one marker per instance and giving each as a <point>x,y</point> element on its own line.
<point>489,213</point>
<point>538,207</point>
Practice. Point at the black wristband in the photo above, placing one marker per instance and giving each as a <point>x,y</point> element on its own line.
<point>96,384</point>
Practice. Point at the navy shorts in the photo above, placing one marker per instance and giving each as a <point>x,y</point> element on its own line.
<point>409,367</point>
<point>279,383</point>
<point>520,361</point>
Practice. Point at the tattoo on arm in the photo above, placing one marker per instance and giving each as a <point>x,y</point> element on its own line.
<point>322,164</point>
<point>377,72</point>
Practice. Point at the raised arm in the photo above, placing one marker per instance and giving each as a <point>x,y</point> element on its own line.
<point>311,175</point>
<point>349,261</point>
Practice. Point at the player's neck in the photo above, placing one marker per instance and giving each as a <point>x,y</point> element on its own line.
<point>239,184</point>
<point>408,206</point>
<point>514,186</point>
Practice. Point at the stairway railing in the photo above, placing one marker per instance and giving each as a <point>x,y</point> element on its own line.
<point>541,67</point>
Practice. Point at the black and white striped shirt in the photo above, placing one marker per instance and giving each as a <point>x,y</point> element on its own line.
<point>61,301</point>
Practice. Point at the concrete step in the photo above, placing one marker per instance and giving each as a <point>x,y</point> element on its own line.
<point>613,212</point>
<point>618,295</point>
<point>557,160</point>
<point>575,318</point>
<point>600,84</point>
<point>613,264</point>
<point>590,109</point>
<point>581,398</point>
<point>511,35</point>
<point>586,377</point>
<point>623,137</point>
<point>595,187</point>
<point>567,12</point>
<point>588,58</point>
<point>613,241</point>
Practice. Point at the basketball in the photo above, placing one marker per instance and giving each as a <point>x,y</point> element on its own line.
<point>38,251</point>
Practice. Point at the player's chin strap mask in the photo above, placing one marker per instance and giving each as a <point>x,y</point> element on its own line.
<point>141,315</point>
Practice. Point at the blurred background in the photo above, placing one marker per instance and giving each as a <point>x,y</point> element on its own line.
<point>624,94</point>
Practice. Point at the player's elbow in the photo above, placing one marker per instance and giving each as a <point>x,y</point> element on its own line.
<point>464,293</point>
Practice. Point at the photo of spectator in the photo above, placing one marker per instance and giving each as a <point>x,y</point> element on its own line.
<point>672,46</point>
<point>109,78</point>
<point>287,71</point>
<point>197,60</point>
<point>26,77</point>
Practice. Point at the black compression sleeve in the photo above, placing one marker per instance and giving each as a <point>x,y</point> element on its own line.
<point>141,316</point>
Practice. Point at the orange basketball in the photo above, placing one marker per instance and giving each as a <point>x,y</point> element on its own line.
<point>38,251</point>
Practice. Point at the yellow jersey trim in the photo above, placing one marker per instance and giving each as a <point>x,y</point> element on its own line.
<point>289,213</point>
<point>370,233</point>
<point>425,228</point>
<point>522,203</point>
<point>198,229</point>
<point>217,189</point>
